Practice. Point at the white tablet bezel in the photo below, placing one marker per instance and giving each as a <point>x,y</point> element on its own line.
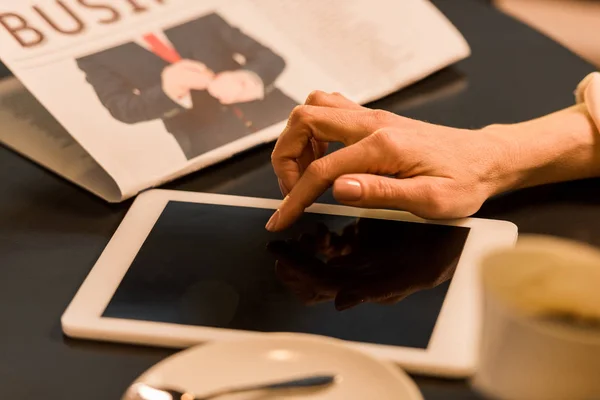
<point>452,350</point>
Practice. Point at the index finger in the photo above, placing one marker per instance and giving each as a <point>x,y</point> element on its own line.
<point>366,156</point>
<point>323,124</point>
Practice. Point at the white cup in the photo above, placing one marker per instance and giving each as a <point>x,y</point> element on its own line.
<point>524,355</point>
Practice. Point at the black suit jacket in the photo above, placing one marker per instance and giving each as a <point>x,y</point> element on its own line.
<point>127,80</point>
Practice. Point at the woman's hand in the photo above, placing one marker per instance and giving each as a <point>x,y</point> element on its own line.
<point>388,162</point>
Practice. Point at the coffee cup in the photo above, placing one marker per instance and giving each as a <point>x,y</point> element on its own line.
<point>540,334</point>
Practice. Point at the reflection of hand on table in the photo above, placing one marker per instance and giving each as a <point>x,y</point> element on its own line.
<point>350,269</point>
<point>180,78</point>
<point>232,87</point>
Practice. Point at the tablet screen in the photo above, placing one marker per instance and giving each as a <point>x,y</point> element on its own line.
<point>358,279</point>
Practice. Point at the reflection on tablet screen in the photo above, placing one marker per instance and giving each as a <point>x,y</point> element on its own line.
<point>363,280</point>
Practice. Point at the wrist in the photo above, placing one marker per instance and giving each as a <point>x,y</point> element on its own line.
<point>558,147</point>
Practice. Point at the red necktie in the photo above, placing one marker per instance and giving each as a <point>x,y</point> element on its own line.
<point>161,49</point>
<point>170,55</point>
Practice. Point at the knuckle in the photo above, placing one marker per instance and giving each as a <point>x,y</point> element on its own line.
<point>316,97</point>
<point>318,170</point>
<point>381,117</point>
<point>494,127</point>
<point>382,138</point>
<point>298,114</point>
<point>438,203</point>
<point>385,189</point>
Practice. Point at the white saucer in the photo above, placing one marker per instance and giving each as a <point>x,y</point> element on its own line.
<point>274,357</point>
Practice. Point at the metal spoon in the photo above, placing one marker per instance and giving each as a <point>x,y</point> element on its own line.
<point>142,391</point>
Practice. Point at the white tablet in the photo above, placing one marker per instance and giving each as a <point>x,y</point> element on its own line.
<point>185,268</point>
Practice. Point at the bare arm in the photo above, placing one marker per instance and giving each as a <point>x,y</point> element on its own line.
<point>432,171</point>
<point>559,147</point>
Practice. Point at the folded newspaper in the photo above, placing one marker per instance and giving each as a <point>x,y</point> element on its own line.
<point>119,96</point>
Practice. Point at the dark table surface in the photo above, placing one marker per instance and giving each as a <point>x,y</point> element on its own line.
<point>51,232</point>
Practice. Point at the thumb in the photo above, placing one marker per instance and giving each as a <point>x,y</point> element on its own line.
<point>415,195</point>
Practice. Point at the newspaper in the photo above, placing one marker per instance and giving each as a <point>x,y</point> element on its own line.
<point>119,96</point>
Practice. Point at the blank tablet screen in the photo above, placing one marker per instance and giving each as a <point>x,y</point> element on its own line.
<point>364,280</point>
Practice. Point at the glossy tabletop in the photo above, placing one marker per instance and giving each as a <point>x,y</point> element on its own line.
<point>51,232</point>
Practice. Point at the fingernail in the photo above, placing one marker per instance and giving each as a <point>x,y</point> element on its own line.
<point>282,187</point>
<point>272,224</point>
<point>347,189</point>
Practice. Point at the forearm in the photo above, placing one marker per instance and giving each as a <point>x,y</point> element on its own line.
<point>558,147</point>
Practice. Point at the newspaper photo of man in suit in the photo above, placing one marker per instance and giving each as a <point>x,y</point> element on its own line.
<point>208,82</point>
